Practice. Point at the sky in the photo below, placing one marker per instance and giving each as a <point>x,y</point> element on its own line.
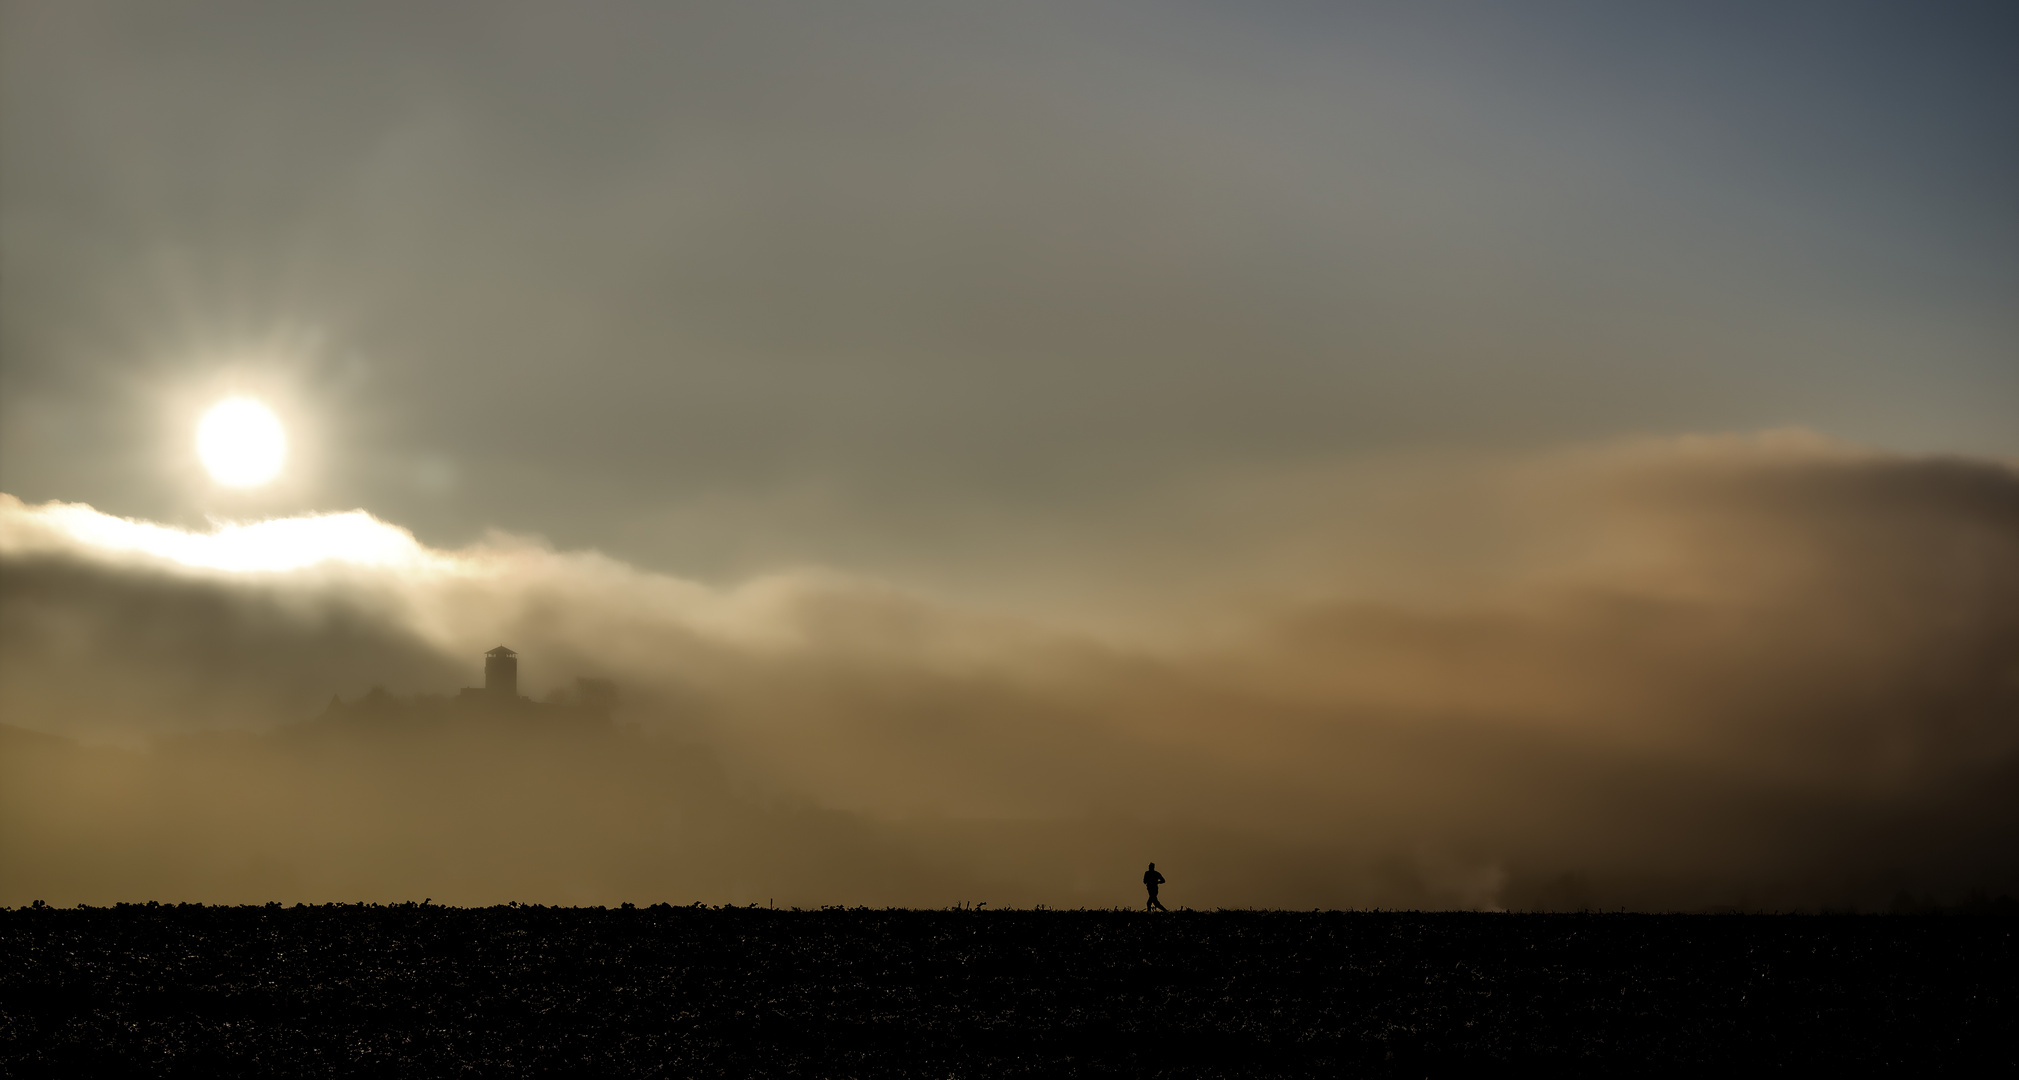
<point>1305,428</point>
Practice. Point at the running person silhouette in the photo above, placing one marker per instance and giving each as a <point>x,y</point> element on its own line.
<point>1152,879</point>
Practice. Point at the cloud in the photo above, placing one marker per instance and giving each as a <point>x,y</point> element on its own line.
<point>1766,670</point>
<point>719,285</point>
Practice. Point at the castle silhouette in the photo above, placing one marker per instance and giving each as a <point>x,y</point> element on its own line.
<point>501,673</point>
<point>588,698</point>
<point>501,684</point>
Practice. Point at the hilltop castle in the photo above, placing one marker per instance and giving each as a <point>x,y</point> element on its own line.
<point>501,672</point>
<point>588,698</point>
<point>501,684</point>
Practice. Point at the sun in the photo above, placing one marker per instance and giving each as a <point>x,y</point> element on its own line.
<point>241,442</point>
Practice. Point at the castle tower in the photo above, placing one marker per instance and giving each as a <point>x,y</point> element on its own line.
<point>501,672</point>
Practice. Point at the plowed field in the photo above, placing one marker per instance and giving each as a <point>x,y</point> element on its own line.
<point>426,991</point>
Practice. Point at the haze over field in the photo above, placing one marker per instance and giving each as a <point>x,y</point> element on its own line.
<point>1708,672</point>
<point>1414,455</point>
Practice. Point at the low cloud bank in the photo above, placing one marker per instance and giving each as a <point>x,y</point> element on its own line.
<point>1767,671</point>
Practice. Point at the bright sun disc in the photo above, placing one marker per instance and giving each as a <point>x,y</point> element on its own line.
<point>241,443</point>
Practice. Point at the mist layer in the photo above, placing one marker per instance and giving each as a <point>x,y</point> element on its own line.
<point>1769,672</point>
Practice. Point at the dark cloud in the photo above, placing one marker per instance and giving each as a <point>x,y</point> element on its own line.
<point>1769,672</point>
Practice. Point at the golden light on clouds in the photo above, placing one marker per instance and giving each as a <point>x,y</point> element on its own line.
<point>354,538</point>
<point>1755,671</point>
<point>1301,444</point>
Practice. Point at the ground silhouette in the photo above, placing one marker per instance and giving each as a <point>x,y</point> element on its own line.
<point>420,990</point>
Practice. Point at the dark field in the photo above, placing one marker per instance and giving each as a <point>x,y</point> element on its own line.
<point>418,991</point>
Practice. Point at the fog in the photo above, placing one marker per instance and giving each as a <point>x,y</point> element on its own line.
<point>1769,671</point>
<point>990,448</point>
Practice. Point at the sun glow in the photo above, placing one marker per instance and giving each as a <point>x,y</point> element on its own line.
<point>241,442</point>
